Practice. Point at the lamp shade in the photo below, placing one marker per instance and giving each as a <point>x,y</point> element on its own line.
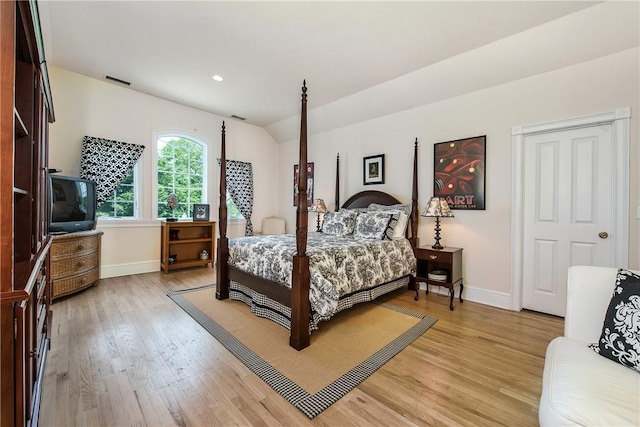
<point>438,208</point>
<point>319,206</point>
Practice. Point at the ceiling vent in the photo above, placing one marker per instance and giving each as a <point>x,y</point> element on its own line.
<point>237,117</point>
<point>116,80</point>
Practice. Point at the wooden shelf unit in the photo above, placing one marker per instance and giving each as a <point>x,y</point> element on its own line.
<point>25,284</point>
<point>192,238</point>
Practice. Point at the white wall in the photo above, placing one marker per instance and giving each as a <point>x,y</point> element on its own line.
<point>596,86</point>
<point>86,106</point>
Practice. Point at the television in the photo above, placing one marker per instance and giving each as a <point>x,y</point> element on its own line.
<point>73,204</point>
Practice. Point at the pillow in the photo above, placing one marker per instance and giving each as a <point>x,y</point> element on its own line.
<point>372,225</point>
<point>620,338</point>
<point>397,225</point>
<point>393,223</point>
<point>357,209</point>
<point>339,223</point>
<point>389,233</point>
<point>400,231</point>
<point>399,222</point>
<point>402,208</point>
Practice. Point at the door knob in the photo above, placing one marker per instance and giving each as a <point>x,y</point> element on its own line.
<point>603,234</point>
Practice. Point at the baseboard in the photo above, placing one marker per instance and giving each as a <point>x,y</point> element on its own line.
<point>117,270</point>
<point>482,296</point>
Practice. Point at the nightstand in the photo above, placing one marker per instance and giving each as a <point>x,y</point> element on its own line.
<point>444,266</point>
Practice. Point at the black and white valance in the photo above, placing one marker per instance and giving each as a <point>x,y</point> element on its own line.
<point>107,163</point>
<point>240,187</point>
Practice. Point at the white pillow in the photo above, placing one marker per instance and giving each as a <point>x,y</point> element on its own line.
<point>400,230</point>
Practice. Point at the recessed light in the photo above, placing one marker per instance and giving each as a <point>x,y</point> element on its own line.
<point>217,78</point>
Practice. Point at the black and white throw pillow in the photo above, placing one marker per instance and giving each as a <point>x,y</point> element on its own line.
<point>339,223</point>
<point>372,225</point>
<point>620,338</point>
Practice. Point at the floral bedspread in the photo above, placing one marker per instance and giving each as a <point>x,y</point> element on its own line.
<point>339,265</point>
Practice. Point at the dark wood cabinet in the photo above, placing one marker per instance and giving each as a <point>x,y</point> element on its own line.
<point>440,267</point>
<point>25,288</point>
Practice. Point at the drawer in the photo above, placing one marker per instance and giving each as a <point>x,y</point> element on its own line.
<point>64,248</point>
<point>434,256</point>
<point>72,266</point>
<point>75,283</point>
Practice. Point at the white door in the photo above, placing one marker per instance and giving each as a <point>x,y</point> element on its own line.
<point>568,211</point>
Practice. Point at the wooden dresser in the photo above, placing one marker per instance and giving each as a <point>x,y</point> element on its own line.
<point>75,262</point>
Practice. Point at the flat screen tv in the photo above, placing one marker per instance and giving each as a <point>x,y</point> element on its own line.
<point>73,204</point>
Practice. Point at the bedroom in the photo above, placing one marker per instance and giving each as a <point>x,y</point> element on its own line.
<point>87,106</point>
<point>552,92</point>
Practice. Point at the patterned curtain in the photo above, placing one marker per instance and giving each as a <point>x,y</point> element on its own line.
<point>240,187</point>
<point>107,163</point>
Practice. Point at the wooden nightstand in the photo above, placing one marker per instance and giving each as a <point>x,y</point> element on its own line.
<point>447,260</point>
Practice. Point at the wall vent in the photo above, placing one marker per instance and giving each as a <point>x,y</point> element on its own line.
<point>237,117</point>
<point>113,79</point>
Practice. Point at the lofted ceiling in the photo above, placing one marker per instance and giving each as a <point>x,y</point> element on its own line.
<point>265,49</point>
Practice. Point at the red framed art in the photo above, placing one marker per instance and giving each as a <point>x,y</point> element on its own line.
<point>459,172</point>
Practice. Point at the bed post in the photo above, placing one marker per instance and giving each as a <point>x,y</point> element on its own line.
<point>413,284</point>
<point>414,200</point>
<point>300,305</point>
<point>222,278</point>
<point>337,182</point>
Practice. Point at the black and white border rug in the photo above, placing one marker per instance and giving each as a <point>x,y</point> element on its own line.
<point>310,404</point>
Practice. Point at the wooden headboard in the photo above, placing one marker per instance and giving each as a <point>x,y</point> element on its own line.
<point>364,198</point>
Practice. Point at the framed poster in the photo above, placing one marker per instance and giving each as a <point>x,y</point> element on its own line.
<point>200,212</point>
<point>459,172</point>
<point>309,185</point>
<point>373,169</point>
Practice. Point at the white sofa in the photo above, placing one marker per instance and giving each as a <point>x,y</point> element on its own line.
<point>580,387</point>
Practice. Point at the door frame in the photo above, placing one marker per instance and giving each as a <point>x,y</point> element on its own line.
<point>619,121</point>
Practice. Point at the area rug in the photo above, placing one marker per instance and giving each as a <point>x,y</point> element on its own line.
<point>343,352</point>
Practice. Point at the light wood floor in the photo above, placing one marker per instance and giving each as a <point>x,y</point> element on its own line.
<point>123,354</point>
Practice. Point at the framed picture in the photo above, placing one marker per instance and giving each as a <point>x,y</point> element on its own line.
<point>309,185</point>
<point>459,172</point>
<point>200,212</point>
<point>373,168</point>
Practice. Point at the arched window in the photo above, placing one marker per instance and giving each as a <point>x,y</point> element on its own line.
<point>181,170</point>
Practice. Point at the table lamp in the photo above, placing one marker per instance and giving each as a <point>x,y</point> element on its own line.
<point>437,208</point>
<point>319,208</point>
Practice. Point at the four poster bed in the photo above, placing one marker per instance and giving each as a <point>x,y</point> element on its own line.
<point>365,249</point>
